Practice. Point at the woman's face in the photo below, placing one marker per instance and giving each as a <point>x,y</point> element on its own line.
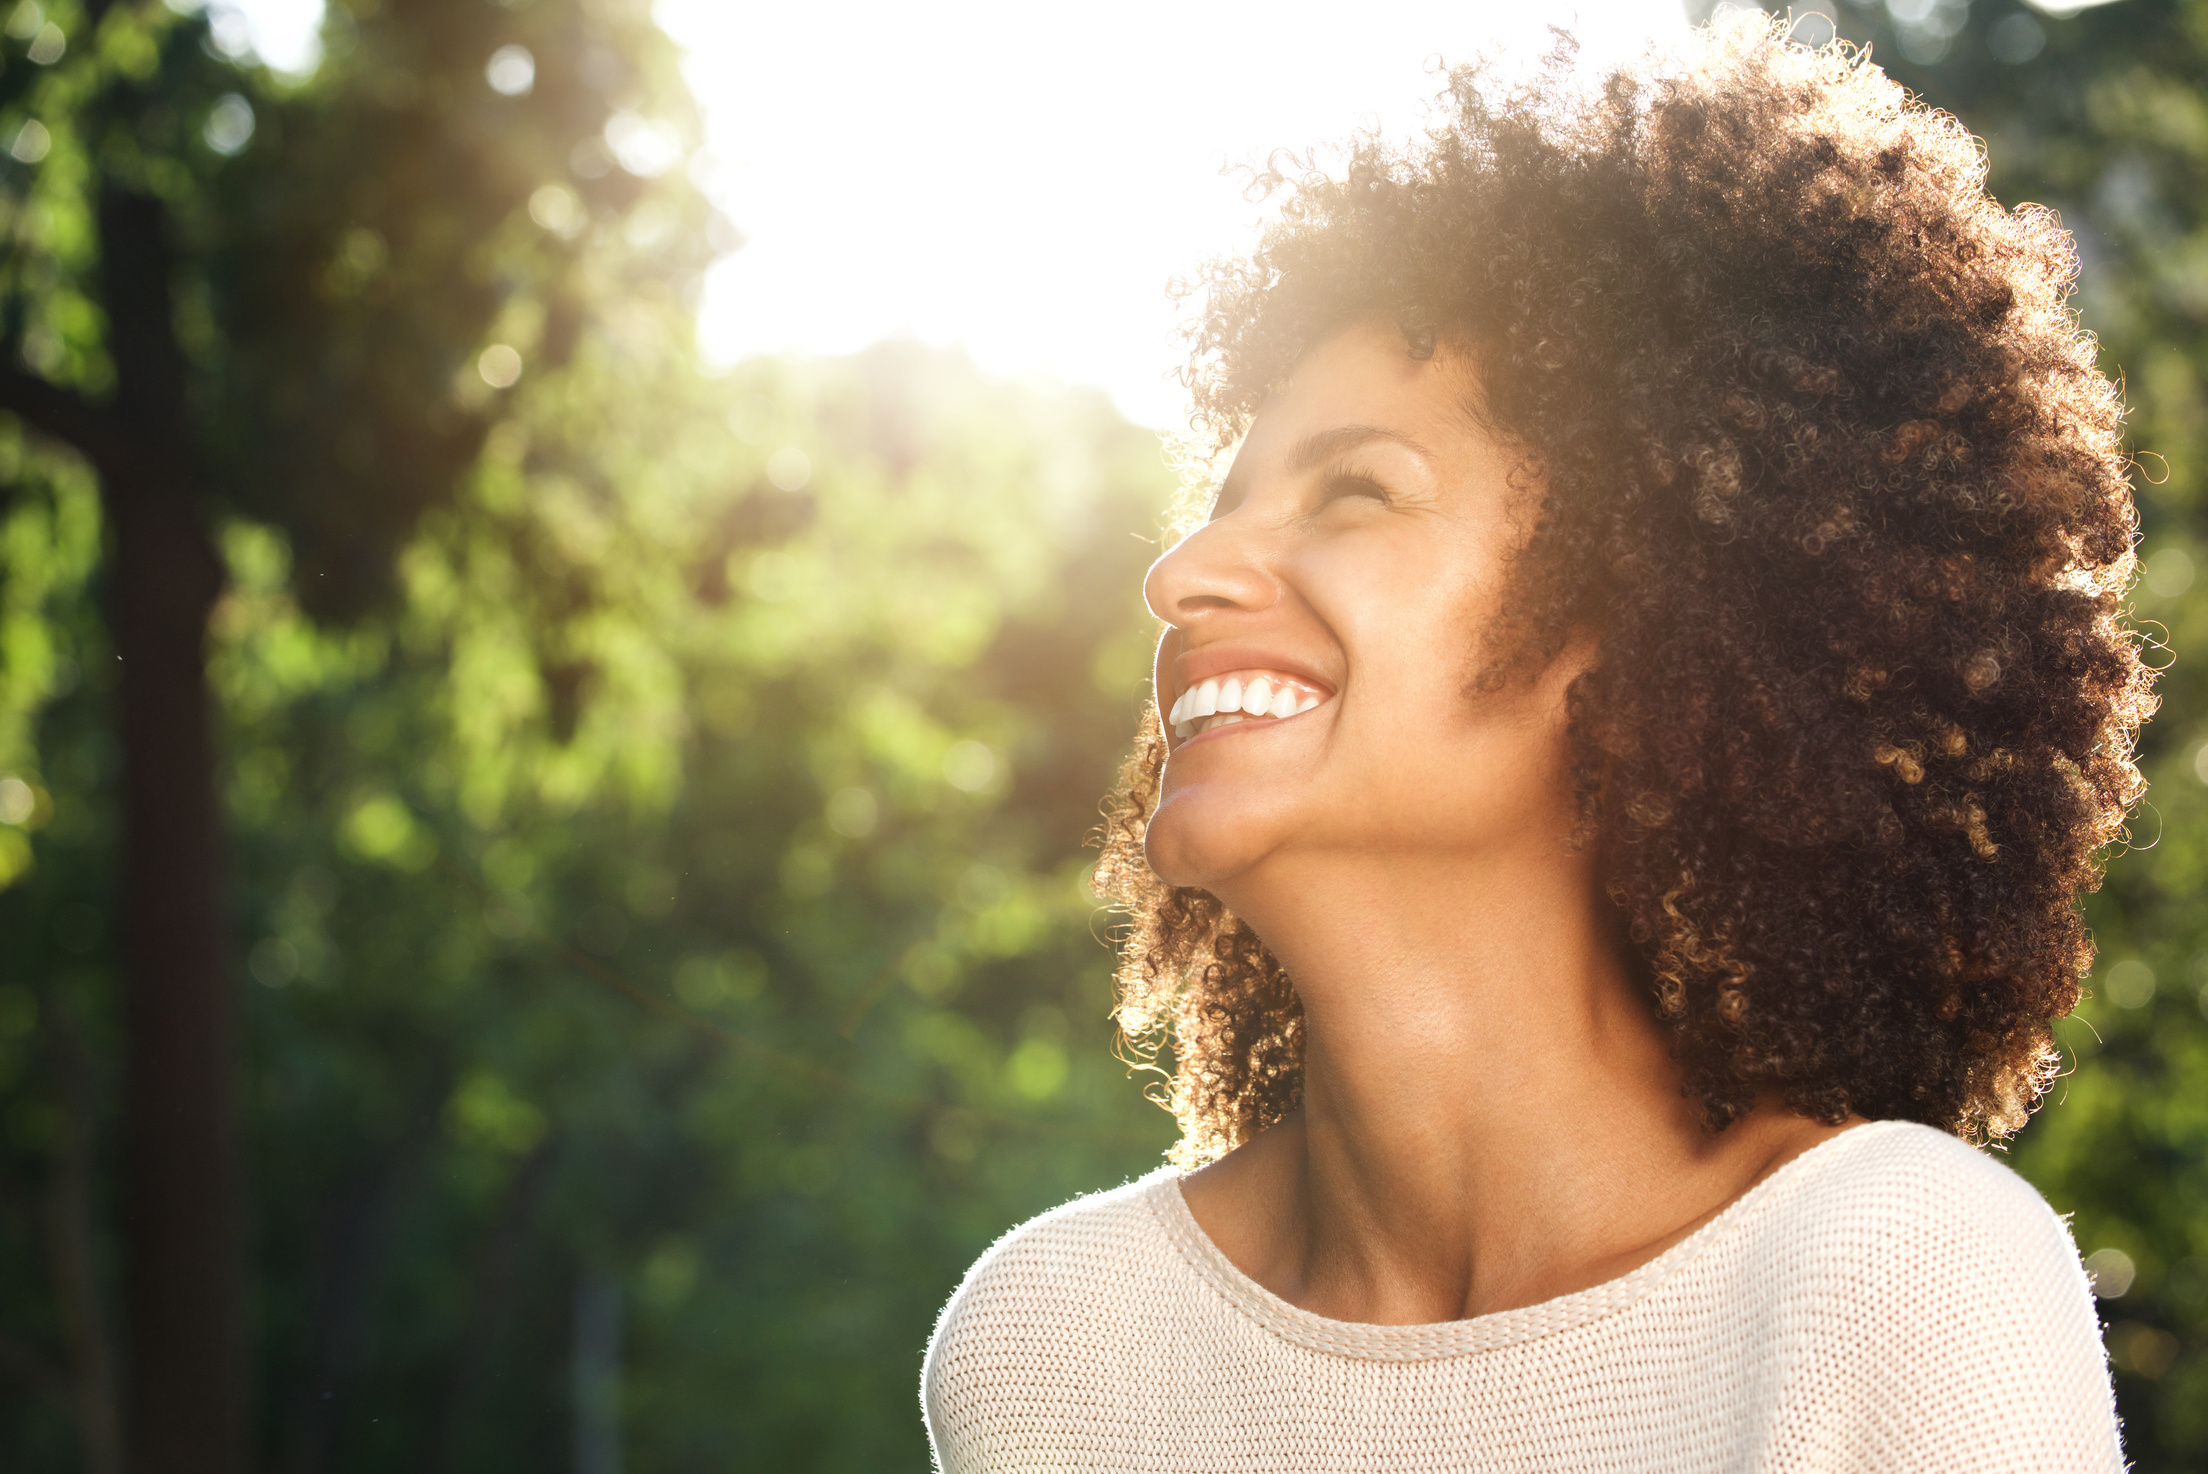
<point>1340,597</point>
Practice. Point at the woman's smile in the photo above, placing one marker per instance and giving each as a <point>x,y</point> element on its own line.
<point>1239,697</point>
<point>1367,525</point>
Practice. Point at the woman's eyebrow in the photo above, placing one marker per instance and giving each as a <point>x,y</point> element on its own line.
<point>1313,449</point>
<point>1323,445</point>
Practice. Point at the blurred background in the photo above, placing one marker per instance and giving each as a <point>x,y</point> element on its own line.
<point>645,504</point>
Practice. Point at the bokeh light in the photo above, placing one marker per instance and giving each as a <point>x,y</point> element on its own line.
<point>2111,1271</point>
<point>286,35</point>
<point>512,71</point>
<point>229,125</point>
<point>31,142</point>
<point>17,801</point>
<point>499,365</point>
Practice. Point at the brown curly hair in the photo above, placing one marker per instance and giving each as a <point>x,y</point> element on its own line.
<point>1826,463</point>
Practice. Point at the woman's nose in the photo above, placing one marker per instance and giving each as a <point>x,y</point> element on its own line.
<point>1215,570</point>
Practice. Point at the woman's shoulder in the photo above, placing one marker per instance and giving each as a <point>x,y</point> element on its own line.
<point>1046,1304</point>
<point>1890,1183</point>
<point>1065,1267</point>
<point>1923,1281</point>
<point>1094,1228</point>
<point>1900,1220</point>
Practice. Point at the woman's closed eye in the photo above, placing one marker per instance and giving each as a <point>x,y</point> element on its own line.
<point>1341,486</point>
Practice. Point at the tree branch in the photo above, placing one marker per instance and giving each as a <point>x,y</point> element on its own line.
<point>60,414</point>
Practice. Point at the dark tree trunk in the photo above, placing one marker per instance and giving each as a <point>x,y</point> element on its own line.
<point>79,1298</point>
<point>492,1291</point>
<point>180,1177</point>
<point>180,1199</point>
<point>354,1248</point>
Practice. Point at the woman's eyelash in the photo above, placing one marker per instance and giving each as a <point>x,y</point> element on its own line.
<point>1353,483</point>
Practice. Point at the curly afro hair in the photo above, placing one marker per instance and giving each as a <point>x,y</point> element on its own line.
<point>1826,463</point>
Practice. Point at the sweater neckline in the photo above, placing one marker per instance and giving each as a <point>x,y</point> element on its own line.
<point>1371,1342</point>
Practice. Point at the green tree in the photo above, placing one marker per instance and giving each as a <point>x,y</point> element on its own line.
<point>660,912</point>
<point>753,979</point>
<point>765,991</point>
<point>229,297</point>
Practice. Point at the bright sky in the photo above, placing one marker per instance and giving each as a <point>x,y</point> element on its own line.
<point>1023,179</point>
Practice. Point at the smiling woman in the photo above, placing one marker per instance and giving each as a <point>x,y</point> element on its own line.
<point>1632,733</point>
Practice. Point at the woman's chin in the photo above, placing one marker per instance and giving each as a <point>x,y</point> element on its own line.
<point>1187,849</point>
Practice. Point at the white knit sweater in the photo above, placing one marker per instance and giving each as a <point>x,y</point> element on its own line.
<point>1891,1300</point>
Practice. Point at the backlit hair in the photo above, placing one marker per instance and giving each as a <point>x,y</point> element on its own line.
<point>1828,465</point>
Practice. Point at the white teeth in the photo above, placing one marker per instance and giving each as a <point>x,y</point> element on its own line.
<point>1224,700</point>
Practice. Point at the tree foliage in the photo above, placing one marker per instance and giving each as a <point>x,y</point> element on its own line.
<point>753,975</point>
<point>763,987</point>
<point>653,803</point>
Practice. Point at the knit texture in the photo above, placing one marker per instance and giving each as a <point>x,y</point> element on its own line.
<point>1891,1300</point>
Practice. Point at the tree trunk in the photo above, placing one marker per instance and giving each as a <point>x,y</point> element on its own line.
<point>492,1291</point>
<point>72,1255</point>
<point>354,1248</point>
<point>180,1158</point>
<point>180,1201</point>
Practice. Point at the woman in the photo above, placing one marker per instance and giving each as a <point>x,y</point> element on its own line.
<point>1632,734</point>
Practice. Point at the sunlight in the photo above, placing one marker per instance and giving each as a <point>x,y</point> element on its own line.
<point>286,34</point>
<point>1024,180</point>
<point>1019,180</point>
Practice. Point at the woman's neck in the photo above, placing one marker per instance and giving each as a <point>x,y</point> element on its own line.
<point>1490,1114</point>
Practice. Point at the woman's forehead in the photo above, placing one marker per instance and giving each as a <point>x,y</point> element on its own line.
<point>1359,388</point>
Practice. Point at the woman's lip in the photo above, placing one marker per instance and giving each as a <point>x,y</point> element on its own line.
<point>1194,667</point>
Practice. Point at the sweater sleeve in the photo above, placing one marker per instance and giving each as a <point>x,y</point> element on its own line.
<point>1951,1328</point>
<point>1026,1341</point>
